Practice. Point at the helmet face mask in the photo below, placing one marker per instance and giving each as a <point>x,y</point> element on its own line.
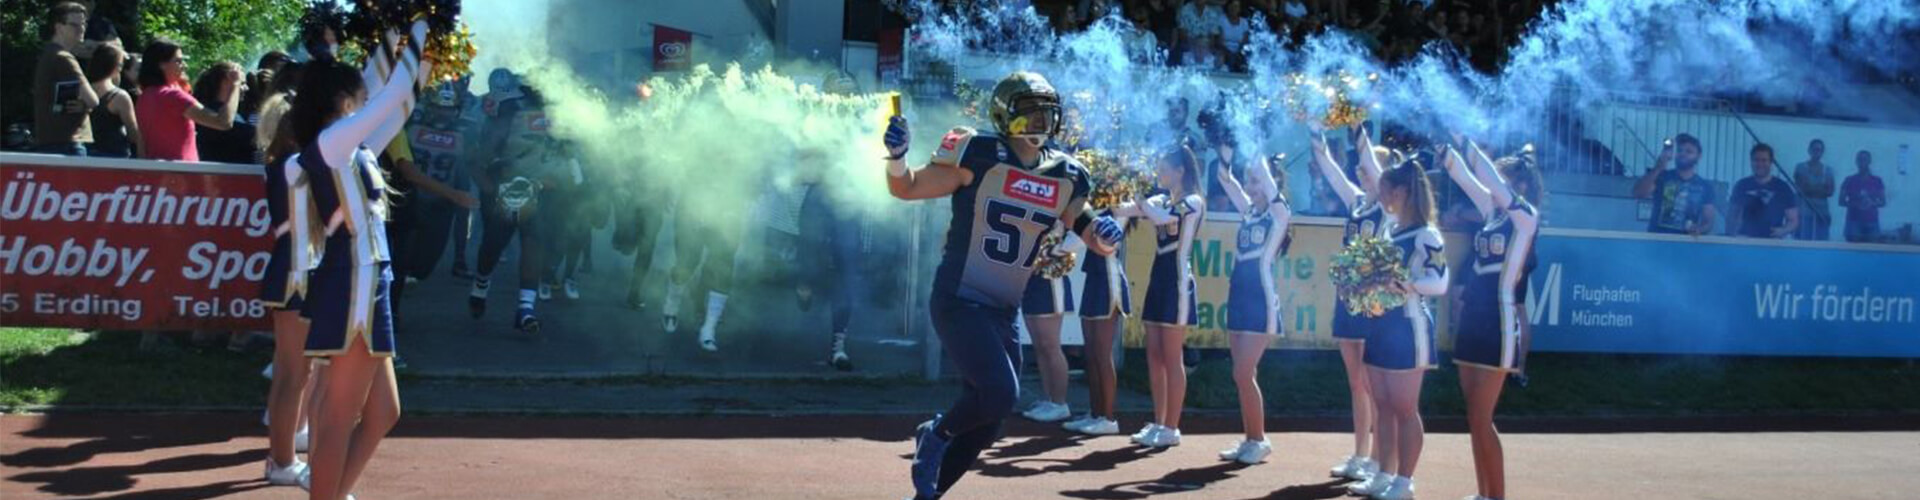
<point>1035,120</point>
<point>445,96</point>
<point>1026,107</point>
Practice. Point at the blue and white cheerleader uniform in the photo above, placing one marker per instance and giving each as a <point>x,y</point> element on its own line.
<point>1253,299</point>
<point>1047,297</point>
<point>1107,294</point>
<point>347,292</point>
<point>1403,339</point>
<point>1489,335</point>
<point>1171,300</point>
<point>1366,220</point>
<point>290,211</point>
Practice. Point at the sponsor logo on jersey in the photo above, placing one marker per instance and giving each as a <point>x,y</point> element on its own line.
<point>1032,188</point>
<point>436,139</point>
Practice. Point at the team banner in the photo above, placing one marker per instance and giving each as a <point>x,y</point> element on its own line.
<point>1629,293</point>
<point>131,245</point>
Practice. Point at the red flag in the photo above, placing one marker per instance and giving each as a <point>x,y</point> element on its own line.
<point>672,49</point>
<point>891,66</point>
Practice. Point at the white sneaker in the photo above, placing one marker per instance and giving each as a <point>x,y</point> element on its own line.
<point>546,292</point>
<point>1401,490</point>
<point>572,289</point>
<point>707,343</point>
<point>1248,452</point>
<point>300,440</point>
<point>1077,421</point>
<point>1097,427</point>
<point>293,474</point>
<point>1356,467</point>
<point>1146,434</point>
<point>1374,485</point>
<point>1167,437</point>
<point>1047,411</point>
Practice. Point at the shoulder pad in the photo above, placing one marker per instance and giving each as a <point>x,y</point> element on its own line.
<point>953,146</point>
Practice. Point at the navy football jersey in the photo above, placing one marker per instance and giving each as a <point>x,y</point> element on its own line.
<point>998,220</point>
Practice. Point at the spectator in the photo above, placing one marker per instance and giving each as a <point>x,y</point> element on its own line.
<point>116,132</point>
<point>1863,195</point>
<point>235,143</point>
<point>279,98</point>
<point>1683,202</point>
<point>1762,206</point>
<point>130,77</point>
<point>1233,31</point>
<point>100,32</point>
<point>1226,156</point>
<point>1178,133</point>
<point>1163,15</point>
<point>273,61</point>
<point>1815,181</point>
<point>1141,44</point>
<point>168,113</point>
<point>1324,201</point>
<point>1198,24</point>
<point>61,96</point>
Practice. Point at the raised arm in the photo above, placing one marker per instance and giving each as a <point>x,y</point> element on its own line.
<point>217,119</point>
<point>339,140</point>
<point>1368,160</point>
<point>1330,169</point>
<point>943,174</point>
<point>1644,188</point>
<point>1235,193</point>
<point>1457,169</point>
<point>1483,169</point>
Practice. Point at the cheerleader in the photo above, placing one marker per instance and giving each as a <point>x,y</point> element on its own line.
<point>1489,343</point>
<point>1400,347</point>
<point>337,127</point>
<point>1364,218</point>
<point>282,289</point>
<point>1170,305</point>
<point>1253,300</point>
<point>1105,299</point>
<point>1044,308</point>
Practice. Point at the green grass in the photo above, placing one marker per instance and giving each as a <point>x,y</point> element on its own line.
<point>62,367</point>
<point>1593,385</point>
<point>43,366</point>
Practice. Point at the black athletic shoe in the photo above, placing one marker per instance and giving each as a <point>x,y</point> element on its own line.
<point>526,321</point>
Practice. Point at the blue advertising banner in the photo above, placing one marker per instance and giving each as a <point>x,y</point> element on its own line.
<point>1632,293</point>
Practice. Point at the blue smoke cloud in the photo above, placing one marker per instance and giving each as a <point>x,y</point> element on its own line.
<point>1766,48</point>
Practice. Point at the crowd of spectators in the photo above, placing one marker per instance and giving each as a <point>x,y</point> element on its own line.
<point>1211,33</point>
